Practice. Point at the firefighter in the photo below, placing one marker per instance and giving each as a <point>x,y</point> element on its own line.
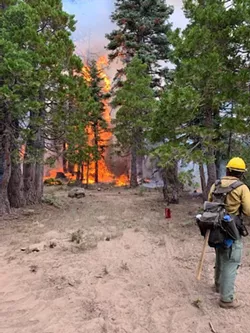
<point>228,259</point>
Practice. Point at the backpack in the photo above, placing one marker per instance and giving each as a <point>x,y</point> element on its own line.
<point>215,217</point>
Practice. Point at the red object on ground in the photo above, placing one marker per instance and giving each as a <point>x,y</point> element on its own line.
<point>167,213</point>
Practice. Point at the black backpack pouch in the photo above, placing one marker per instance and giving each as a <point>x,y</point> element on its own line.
<point>240,226</point>
<point>216,237</point>
<point>231,228</point>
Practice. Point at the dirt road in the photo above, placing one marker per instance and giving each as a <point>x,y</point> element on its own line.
<point>132,271</point>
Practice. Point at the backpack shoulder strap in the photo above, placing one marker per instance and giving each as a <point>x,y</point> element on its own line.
<point>236,184</point>
<point>225,190</point>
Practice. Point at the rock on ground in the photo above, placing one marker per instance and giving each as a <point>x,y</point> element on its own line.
<point>76,193</point>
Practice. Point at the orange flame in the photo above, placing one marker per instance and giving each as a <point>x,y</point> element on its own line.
<point>122,180</point>
<point>104,174</point>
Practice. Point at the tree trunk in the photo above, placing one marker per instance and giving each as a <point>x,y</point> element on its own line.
<point>33,173</point>
<point>218,164</point>
<point>29,176</point>
<point>5,162</point>
<point>211,171</point>
<point>138,140</point>
<point>39,172</point>
<point>64,160</point>
<point>33,162</point>
<point>96,172</point>
<point>29,165</point>
<point>171,185</point>
<point>15,186</point>
<point>96,141</point>
<point>229,147</point>
<point>133,168</point>
<point>71,168</point>
<point>87,176</point>
<point>211,167</point>
<point>140,159</point>
<point>5,149</point>
<point>82,172</point>
<point>165,183</point>
<point>33,180</point>
<point>203,182</point>
<point>78,173</point>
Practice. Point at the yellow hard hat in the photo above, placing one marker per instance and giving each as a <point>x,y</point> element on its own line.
<point>237,164</point>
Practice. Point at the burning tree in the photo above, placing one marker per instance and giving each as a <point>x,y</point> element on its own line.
<point>88,134</point>
<point>99,86</point>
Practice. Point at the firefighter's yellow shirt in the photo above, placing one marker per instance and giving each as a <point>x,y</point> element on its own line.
<point>240,197</point>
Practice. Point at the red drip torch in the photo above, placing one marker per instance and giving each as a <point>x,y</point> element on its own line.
<point>167,213</point>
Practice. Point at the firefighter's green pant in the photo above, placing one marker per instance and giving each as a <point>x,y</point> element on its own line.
<point>226,265</point>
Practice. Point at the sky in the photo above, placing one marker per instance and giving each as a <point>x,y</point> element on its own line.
<point>93,22</point>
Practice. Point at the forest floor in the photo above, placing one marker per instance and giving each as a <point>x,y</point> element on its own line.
<point>133,271</point>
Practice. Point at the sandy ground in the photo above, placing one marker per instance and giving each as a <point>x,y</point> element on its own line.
<point>132,271</point>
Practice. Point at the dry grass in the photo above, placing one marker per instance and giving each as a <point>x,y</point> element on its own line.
<point>33,268</point>
<point>87,244</point>
<point>105,270</point>
<point>124,266</point>
<point>161,241</point>
<point>51,200</point>
<point>77,236</point>
<point>197,303</point>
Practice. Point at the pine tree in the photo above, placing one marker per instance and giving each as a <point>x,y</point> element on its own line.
<point>97,121</point>
<point>87,123</point>
<point>136,102</point>
<point>209,97</point>
<point>16,85</point>
<point>53,48</point>
<point>36,75</point>
<point>142,28</point>
<point>79,151</point>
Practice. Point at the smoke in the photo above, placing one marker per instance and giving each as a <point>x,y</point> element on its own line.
<point>93,22</point>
